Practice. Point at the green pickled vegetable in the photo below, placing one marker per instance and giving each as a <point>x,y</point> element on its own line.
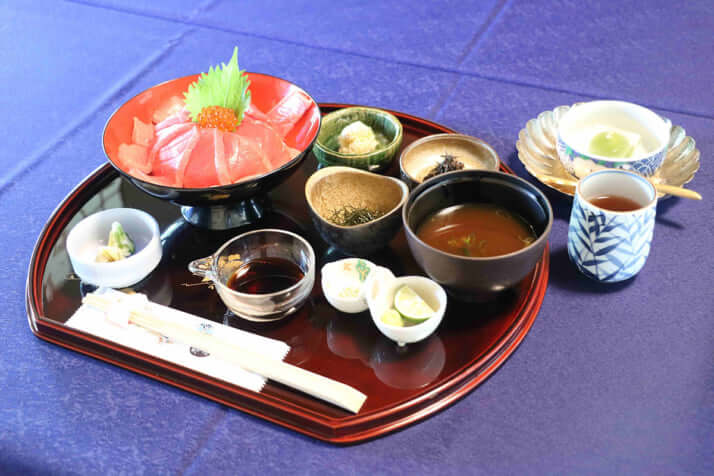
<point>118,247</point>
<point>119,239</point>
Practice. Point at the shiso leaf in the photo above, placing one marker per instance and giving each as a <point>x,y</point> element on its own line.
<point>224,85</point>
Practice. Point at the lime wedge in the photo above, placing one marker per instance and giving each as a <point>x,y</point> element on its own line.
<point>393,318</point>
<point>411,305</point>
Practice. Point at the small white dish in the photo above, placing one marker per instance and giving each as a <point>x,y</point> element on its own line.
<point>380,298</point>
<point>88,235</point>
<point>344,282</point>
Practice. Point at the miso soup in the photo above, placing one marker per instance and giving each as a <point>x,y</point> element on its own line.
<point>476,230</point>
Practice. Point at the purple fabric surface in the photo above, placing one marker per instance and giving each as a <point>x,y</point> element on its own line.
<point>656,53</point>
<point>407,32</point>
<point>610,379</point>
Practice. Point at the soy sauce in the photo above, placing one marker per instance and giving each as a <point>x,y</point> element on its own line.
<point>264,276</point>
<point>616,203</point>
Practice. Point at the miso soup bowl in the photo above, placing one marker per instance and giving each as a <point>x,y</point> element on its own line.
<point>475,278</point>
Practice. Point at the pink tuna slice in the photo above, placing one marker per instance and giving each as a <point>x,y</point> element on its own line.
<point>150,178</point>
<point>256,113</point>
<point>165,137</point>
<point>173,159</point>
<point>243,157</point>
<point>285,114</point>
<point>142,133</point>
<point>206,160</point>
<point>179,117</point>
<point>272,150</point>
<point>133,156</point>
<point>224,175</point>
<point>166,109</point>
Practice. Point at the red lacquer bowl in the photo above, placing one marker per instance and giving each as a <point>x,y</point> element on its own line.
<point>222,206</point>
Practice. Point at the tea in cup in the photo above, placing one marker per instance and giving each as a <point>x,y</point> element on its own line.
<point>611,224</point>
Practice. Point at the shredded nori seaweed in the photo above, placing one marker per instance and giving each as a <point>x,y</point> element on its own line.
<point>449,164</point>
<point>351,216</point>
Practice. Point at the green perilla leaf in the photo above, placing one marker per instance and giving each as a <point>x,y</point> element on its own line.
<point>224,85</point>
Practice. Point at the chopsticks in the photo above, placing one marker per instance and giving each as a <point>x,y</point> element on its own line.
<point>295,377</point>
<point>660,187</point>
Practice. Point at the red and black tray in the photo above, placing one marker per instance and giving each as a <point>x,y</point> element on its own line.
<point>402,386</point>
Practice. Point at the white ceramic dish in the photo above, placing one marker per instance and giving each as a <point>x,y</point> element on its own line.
<point>88,235</point>
<point>380,297</point>
<point>344,282</point>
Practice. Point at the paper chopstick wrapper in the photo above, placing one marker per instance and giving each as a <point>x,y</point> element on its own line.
<point>114,326</point>
<point>132,316</point>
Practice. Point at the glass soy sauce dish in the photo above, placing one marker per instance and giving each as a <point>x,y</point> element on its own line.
<point>262,275</point>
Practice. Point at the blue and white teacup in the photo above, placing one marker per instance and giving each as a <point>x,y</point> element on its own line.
<point>608,245</point>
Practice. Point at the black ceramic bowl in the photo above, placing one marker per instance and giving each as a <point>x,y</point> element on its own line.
<point>473,278</point>
<point>220,206</point>
<point>333,188</point>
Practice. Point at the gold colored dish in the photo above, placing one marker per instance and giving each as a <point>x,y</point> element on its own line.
<point>536,147</point>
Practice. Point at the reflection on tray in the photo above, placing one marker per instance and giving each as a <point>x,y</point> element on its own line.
<point>411,367</point>
<point>407,367</point>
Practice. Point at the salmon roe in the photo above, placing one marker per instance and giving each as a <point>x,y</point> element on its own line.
<point>220,117</point>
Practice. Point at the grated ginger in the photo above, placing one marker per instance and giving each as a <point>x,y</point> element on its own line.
<point>357,138</point>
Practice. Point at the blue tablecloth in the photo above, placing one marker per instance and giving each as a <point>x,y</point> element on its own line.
<point>615,379</point>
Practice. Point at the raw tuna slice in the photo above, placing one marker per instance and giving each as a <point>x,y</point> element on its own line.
<point>134,156</point>
<point>178,117</point>
<point>171,106</point>
<point>256,113</point>
<point>142,133</point>
<point>271,148</point>
<point>201,170</point>
<point>165,137</point>
<point>172,160</point>
<point>243,157</point>
<point>150,178</point>
<point>285,114</point>
<point>222,171</point>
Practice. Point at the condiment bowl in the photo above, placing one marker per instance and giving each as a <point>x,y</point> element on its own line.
<point>380,297</point>
<point>333,188</point>
<point>576,127</point>
<point>477,278</point>
<point>88,235</point>
<point>260,244</point>
<point>344,282</point>
<point>421,156</point>
<point>326,147</point>
<point>215,207</point>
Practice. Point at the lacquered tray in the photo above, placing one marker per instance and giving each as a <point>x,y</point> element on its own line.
<point>402,386</point>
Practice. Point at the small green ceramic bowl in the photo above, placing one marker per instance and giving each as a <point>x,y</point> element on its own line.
<point>326,146</point>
